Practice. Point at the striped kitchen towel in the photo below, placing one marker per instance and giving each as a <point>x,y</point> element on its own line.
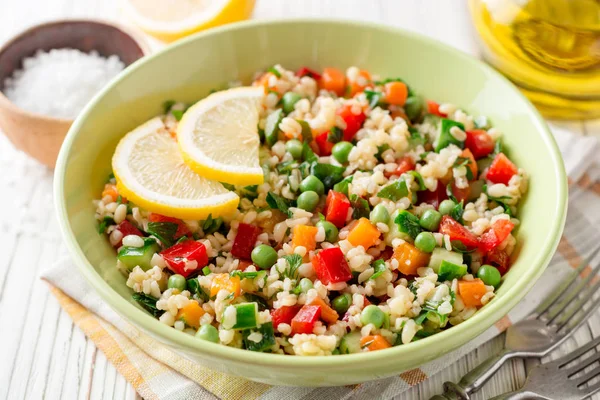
<point>156,372</point>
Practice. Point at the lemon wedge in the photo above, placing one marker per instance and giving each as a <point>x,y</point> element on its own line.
<point>151,173</point>
<point>174,19</point>
<point>218,136</point>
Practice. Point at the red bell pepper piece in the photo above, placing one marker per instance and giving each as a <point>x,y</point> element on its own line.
<point>405,164</point>
<point>456,231</point>
<point>325,145</point>
<point>461,194</point>
<point>284,315</point>
<point>185,257</point>
<point>353,121</point>
<point>501,170</point>
<point>497,233</point>
<point>127,228</point>
<point>434,108</point>
<point>499,259</point>
<point>244,241</point>
<point>434,198</point>
<point>305,71</point>
<point>331,266</point>
<point>304,321</point>
<point>336,208</point>
<point>182,229</point>
<point>479,142</point>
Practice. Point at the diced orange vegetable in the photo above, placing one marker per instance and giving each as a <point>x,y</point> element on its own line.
<point>328,314</point>
<point>362,81</point>
<point>110,190</point>
<point>471,292</point>
<point>374,342</point>
<point>396,93</point>
<point>333,80</point>
<point>410,258</point>
<point>191,314</point>
<point>472,165</point>
<point>304,235</point>
<point>363,234</point>
<point>264,82</point>
<point>226,282</point>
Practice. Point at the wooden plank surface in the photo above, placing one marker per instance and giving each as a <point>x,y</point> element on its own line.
<point>44,355</point>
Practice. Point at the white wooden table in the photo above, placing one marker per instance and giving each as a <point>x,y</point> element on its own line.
<point>43,355</point>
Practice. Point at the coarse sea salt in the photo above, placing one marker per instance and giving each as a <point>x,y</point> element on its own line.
<point>60,82</point>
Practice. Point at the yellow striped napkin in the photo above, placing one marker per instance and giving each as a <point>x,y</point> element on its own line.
<point>159,373</point>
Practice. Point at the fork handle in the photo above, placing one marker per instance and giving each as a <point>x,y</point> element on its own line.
<point>520,395</point>
<point>475,379</point>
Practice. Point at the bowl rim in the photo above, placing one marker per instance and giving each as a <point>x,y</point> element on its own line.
<point>424,348</point>
<point>12,107</point>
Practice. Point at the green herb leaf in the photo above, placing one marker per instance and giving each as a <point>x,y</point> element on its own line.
<point>277,202</point>
<point>499,200</point>
<point>211,225</point>
<point>342,186</point>
<point>167,105</point>
<point>306,131</point>
<point>178,114</point>
<point>148,303</point>
<point>419,179</point>
<point>105,223</point>
<point>308,155</point>
<point>457,212</point>
<point>373,97</point>
<point>379,267</point>
<point>163,231</point>
<point>408,223</point>
<point>327,173</point>
<point>254,298</point>
<point>244,275</point>
<point>460,247</point>
<point>274,71</point>
<point>360,207</point>
<point>464,162</point>
<point>294,262</point>
<point>111,176</point>
<point>335,135</point>
<point>416,139</point>
<point>450,193</point>
<point>321,217</point>
<point>196,290</point>
<point>394,191</point>
<point>388,80</point>
<point>286,167</point>
<point>228,186</point>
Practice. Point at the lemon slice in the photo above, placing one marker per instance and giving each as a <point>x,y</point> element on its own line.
<point>218,136</point>
<point>151,173</point>
<point>174,19</point>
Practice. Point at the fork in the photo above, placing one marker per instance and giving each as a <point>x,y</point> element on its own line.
<point>535,336</point>
<point>554,380</point>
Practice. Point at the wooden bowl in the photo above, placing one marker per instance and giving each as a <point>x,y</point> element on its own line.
<point>38,135</point>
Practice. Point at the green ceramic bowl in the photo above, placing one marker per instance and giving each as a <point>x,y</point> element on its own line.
<point>189,69</point>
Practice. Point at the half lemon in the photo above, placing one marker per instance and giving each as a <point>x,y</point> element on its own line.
<point>174,19</point>
<point>218,136</point>
<point>151,173</point>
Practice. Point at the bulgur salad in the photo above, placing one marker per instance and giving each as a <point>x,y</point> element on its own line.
<point>382,219</point>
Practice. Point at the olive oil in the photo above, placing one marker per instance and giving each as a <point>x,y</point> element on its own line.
<point>549,48</point>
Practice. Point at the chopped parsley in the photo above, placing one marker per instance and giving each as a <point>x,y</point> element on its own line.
<point>148,303</point>
<point>277,202</point>
<point>408,223</point>
<point>163,231</point>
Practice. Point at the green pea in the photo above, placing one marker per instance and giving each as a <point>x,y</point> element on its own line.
<point>341,150</point>
<point>209,333</point>
<point>313,183</point>
<point>425,241</point>
<point>430,220</point>
<point>489,275</point>
<point>264,256</point>
<point>289,100</point>
<point>372,314</point>
<point>331,231</point>
<point>342,303</point>
<point>308,200</point>
<point>294,147</point>
<point>380,214</point>
<point>413,107</point>
<point>176,282</point>
<point>305,285</point>
<point>446,206</point>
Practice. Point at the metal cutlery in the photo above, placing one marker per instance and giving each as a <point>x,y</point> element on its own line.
<point>553,321</point>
